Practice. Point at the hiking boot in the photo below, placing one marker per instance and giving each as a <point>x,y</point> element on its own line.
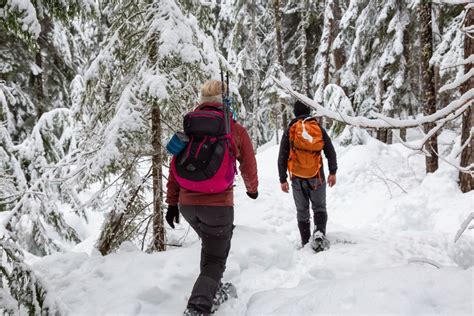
<point>305,232</point>
<point>193,312</point>
<point>319,242</point>
<point>224,292</point>
<point>320,220</point>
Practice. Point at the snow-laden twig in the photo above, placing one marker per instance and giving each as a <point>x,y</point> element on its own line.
<point>467,169</point>
<point>458,82</point>
<point>461,63</point>
<point>455,2</point>
<point>464,226</point>
<point>466,143</point>
<point>382,121</point>
<point>425,260</point>
<point>435,129</point>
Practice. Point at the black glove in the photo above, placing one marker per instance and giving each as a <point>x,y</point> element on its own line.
<point>172,215</point>
<point>253,195</point>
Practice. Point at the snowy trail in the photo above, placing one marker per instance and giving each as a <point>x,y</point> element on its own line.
<point>366,240</point>
<point>373,225</point>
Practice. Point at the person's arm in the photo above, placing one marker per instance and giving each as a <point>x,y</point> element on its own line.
<point>247,161</point>
<point>172,190</point>
<point>330,153</point>
<point>283,156</point>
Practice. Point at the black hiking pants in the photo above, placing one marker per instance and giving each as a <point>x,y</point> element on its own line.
<point>314,191</point>
<point>214,225</point>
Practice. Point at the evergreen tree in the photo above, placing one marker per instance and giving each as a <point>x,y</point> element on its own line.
<point>21,291</point>
<point>149,70</point>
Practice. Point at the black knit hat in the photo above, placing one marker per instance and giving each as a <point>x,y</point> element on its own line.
<point>301,109</point>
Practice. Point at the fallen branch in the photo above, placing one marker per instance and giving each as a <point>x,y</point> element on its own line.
<point>464,226</point>
<point>425,260</point>
<point>380,120</point>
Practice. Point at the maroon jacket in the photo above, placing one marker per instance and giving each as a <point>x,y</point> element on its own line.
<point>248,168</point>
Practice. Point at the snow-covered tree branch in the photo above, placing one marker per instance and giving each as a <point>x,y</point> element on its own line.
<point>381,121</point>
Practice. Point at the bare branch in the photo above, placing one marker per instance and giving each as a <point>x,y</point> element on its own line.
<point>425,260</point>
<point>464,226</point>
<point>386,180</point>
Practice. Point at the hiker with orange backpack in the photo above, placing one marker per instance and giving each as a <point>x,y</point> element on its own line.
<point>300,153</point>
<point>201,182</point>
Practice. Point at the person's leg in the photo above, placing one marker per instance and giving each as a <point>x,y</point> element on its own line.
<point>189,214</point>
<point>215,229</point>
<point>301,198</point>
<point>318,204</point>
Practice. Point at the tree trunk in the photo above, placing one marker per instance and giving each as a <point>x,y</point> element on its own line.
<point>38,80</point>
<point>112,231</point>
<point>403,134</point>
<point>159,233</point>
<point>329,23</point>
<point>253,43</point>
<point>428,87</point>
<point>338,52</point>
<point>303,46</point>
<point>280,61</point>
<point>382,134</point>
<point>466,181</point>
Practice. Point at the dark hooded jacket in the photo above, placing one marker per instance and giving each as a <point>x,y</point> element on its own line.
<point>284,154</point>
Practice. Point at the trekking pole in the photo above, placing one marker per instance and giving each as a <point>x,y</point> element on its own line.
<point>227,101</point>
<point>224,102</point>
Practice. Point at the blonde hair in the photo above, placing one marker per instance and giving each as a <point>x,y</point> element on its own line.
<point>211,91</point>
<point>212,88</point>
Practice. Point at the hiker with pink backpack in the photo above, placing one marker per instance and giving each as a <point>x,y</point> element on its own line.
<point>200,186</point>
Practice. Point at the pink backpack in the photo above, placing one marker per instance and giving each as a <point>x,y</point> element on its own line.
<point>208,163</point>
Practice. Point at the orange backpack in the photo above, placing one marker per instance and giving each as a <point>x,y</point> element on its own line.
<point>306,143</point>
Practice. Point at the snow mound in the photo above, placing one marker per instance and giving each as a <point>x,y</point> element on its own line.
<point>382,212</point>
<point>385,291</point>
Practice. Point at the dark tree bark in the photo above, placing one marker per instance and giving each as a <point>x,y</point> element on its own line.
<point>304,46</point>
<point>159,233</point>
<point>38,80</point>
<point>253,57</point>
<point>279,48</point>
<point>466,181</point>
<point>428,87</point>
<point>403,134</point>
<point>338,53</point>
<point>327,53</point>
<point>385,135</point>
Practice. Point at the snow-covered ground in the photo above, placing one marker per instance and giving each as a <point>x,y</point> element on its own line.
<point>382,212</point>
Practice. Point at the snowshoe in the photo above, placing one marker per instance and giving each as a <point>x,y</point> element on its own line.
<point>224,292</point>
<point>192,312</point>
<point>319,242</point>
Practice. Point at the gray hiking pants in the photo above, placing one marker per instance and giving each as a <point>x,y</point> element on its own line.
<point>214,225</point>
<point>306,190</point>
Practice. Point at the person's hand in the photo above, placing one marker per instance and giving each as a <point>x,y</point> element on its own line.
<point>332,180</point>
<point>253,195</point>
<point>172,215</point>
<point>285,187</point>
